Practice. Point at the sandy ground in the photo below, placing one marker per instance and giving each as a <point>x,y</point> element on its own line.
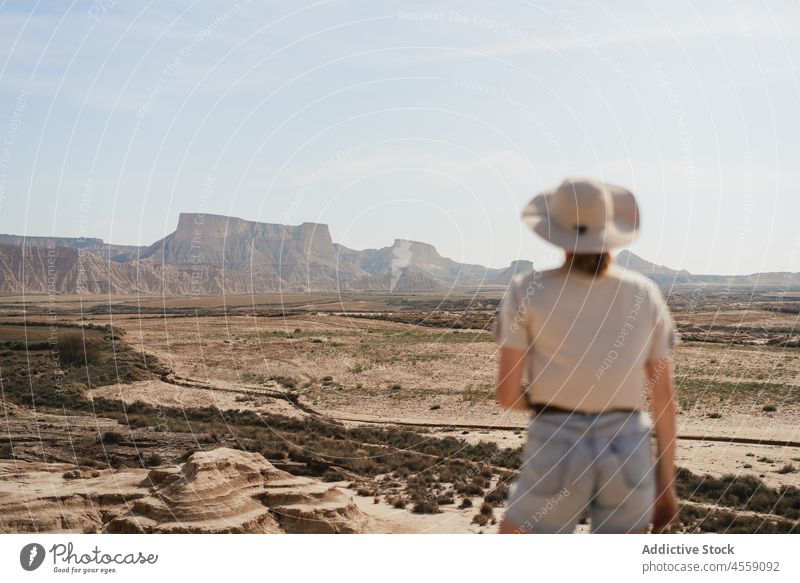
<point>754,424</point>
<point>718,459</point>
<point>388,519</point>
<point>702,457</point>
<point>374,371</point>
<point>378,376</point>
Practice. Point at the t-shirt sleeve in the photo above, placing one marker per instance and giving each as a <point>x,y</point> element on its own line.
<point>665,335</point>
<point>510,328</point>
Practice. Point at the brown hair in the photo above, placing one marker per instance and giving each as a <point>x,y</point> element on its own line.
<point>589,263</point>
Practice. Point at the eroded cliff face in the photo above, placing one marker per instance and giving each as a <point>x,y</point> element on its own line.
<point>235,243</point>
<point>218,491</point>
<point>214,254</point>
<point>67,270</point>
<point>90,244</point>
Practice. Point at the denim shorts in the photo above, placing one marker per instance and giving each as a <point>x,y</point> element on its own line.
<point>578,463</point>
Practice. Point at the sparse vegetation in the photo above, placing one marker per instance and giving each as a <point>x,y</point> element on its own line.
<point>498,495</point>
<point>693,389</point>
<point>399,502</point>
<point>58,376</point>
<point>260,379</point>
<point>112,438</point>
<point>154,459</point>
<point>741,492</point>
<point>696,519</point>
<point>426,507</point>
<point>410,368</point>
<point>481,519</point>
<point>458,318</point>
<point>74,350</point>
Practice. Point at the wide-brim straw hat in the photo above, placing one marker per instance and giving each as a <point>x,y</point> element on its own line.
<point>584,216</point>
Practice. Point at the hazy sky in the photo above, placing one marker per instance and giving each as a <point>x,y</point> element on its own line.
<point>433,121</point>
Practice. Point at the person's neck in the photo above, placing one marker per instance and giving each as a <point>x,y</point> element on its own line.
<point>568,270</point>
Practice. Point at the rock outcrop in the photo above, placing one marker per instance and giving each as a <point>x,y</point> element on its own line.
<point>59,270</point>
<point>234,243</point>
<point>218,491</point>
<point>516,267</point>
<point>90,244</point>
<point>662,275</point>
<point>212,254</point>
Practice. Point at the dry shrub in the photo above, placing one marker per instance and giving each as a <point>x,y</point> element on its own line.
<point>74,350</point>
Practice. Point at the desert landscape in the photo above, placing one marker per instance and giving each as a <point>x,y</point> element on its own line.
<point>363,408</point>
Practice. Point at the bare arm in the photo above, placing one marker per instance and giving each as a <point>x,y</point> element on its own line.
<point>659,380</point>
<point>508,389</point>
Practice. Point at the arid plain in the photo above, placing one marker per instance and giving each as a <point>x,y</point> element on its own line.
<point>358,412</point>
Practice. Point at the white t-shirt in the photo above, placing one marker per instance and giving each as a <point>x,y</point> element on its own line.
<point>586,338</point>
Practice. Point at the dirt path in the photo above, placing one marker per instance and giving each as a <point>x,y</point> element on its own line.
<point>296,402</point>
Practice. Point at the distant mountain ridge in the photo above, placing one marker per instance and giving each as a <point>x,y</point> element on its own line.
<point>215,254</point>
<point>91,244</point>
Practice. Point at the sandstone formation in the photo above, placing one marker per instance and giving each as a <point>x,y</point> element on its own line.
<point>37,270</point>
<point>218,491</point>
<point>213,254</point>
<point>89,244</point>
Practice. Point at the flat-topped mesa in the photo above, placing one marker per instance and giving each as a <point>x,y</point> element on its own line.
<point>521,265</point>
<point>420,253</point>
<point>214,227</point>
<point>88,244</point>
<point>44,241</point>
<point>208,239</point>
